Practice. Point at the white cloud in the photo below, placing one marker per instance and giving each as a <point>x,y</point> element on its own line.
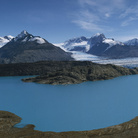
<point>90,26</point>
<point>87,21</point>
<point>129,15</point>
<point>99,14</point>
<point>104,6</point>
<point>94,13</point>
<point>131,10</point>
<point>88,16</point>
<point>107,15</point>
<point>128,21</point>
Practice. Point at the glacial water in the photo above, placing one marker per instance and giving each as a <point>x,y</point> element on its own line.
<point>85,106</point>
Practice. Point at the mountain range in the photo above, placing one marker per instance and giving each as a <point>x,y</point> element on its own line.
<point>28,48</point>
<point>101,46</point>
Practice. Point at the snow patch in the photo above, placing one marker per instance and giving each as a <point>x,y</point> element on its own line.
<point>5,40</point>
<point>8,37</point>
<point>24,40</point>
<point>111,43</point>
<point>21,35</point>
<point>97,34</point>
<point>60,45</point>
<point>87,47</point>
<point>73,45</point>
<point>38,39</point>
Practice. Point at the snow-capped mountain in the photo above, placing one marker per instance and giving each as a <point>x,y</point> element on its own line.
<point>28,48</point>
<point>75,44</point>
<point>87,45</point>
<point>4,40</point>
<point>97,38</point>
<point>24,36</point>
<point>132,42</point>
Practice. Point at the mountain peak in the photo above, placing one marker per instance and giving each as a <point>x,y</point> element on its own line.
<point>8,37</point>
<point>132,42</point>
<point>99,35</point>
<point>97,38</point>
<point>22,34</point>
<point>24,37</point>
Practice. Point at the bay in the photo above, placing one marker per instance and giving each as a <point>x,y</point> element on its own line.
<point>77,107</point>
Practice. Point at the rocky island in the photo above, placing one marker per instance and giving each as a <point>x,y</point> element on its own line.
<point>8,120</point>
<point>82,73</point>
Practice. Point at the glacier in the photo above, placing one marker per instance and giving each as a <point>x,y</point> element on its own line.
<point>82,56</point>
<point>126,62</point>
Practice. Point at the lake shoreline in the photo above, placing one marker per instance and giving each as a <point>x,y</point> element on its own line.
<point>8,120</point>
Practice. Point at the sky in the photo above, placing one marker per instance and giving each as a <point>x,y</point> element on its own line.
<point>60,20</point>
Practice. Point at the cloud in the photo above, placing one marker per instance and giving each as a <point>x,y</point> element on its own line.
<point>107,15</point>
<point>103,14</point>
<point>104,6</point>
<point>128,21</point>
<point>87,21</point>
<point>89,26</point>
<point>129,11</point>
<point>93,14</point>
<point>129,15</point>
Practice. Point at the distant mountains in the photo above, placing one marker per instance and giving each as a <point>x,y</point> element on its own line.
<point>101,46</point>
<point>132,42</point>
<point>28,48</point>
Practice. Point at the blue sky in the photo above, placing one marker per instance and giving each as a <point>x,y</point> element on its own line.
<point>59,20</point>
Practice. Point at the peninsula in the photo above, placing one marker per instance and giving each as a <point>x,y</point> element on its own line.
<point>64,72</point>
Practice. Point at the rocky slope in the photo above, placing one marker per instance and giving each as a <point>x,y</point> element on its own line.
<point>28,48</point>
<point>8,120</point>
<point>118,51</point>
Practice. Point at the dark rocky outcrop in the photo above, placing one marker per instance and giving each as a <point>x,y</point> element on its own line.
<point>8,120</point>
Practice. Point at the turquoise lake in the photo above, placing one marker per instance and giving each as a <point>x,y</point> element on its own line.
<point>85,106</point>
